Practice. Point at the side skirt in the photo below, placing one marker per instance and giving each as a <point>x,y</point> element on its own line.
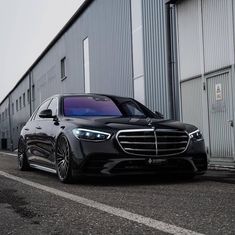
<point>43,168</point>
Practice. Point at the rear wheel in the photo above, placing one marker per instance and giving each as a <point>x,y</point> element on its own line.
<point>23,164</point>
<point>63,160</point>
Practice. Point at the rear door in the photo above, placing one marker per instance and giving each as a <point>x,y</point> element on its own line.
<point>41,138</point>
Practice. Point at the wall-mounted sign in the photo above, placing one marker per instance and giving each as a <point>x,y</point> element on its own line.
<point>218,91</point>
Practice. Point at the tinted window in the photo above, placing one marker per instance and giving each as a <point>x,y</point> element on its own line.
<point>54,106</point>
<point>132,109</point>
<point>90,106</point>
<point>42,107</point>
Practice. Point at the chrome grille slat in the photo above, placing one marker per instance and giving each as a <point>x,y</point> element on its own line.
<point>135,136</point>
<point>166,150</point>
<point>140,150</point>
<point>130,142</point>
<point>181,142</point>
<point>150,142</point>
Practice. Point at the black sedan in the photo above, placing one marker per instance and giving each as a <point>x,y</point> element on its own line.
<point>92,134</point>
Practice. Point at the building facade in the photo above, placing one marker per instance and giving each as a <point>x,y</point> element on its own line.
<point>206,52</point>
<point>104,48</point>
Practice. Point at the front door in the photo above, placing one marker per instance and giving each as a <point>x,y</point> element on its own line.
<point>220,117</point>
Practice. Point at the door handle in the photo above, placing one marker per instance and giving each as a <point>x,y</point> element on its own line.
<point>230,122</point>
<point>26,129</point>
<point>38,127</point>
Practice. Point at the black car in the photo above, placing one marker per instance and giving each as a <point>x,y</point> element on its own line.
<point>92,134</point>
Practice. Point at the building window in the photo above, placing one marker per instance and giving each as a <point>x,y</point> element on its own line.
<point>17,105</point>
<point>28,96</point>
<point>20,100</point>
<point>86,63</point>
<point>33,92</point>
<point>12,108</point>
<point>63,68</point>
<point>24,100</point>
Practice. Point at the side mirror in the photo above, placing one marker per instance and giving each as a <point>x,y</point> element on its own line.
<point>46,113</point>
<point>159,115</point>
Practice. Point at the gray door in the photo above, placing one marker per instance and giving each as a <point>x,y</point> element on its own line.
<point>220,116</point>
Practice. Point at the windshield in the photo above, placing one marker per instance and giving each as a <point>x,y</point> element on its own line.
<point>90,106</point>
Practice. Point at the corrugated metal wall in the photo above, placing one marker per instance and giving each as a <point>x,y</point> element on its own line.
<point>107,25</point>
<point>216,34</point>
<point>206,48</point>
<point>189,39</point>
<point>19,117</point>
<point>4,124</point>
<point>155,61</point>
<point>191,92</point>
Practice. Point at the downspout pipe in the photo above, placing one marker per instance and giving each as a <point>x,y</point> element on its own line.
<point>172,62</point>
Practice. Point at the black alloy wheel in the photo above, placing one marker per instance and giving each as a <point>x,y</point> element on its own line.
<point>63,160</point>
<point>23,164</point>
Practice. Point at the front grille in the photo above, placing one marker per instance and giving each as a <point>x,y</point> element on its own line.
<point>149,142</point>
<point>171,142</point>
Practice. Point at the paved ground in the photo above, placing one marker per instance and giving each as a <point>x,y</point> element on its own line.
<point>204,205</point>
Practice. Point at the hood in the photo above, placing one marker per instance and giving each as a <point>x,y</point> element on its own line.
<point>118,123</point>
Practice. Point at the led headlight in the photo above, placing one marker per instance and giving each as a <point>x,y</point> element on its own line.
<point>196,135</point>
<point>86,134</point>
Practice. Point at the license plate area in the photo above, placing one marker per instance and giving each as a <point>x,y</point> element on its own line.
<point>156,161</point>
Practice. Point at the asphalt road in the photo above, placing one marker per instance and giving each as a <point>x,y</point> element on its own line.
<point>36,202</point>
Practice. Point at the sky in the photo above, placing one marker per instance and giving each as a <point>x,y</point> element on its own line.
<point>26,28</point>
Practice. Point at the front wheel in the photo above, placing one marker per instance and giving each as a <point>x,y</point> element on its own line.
<point>63,160</point>
<point>23,164</point>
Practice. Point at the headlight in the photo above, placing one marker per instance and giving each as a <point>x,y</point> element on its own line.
<point>85,134</point>
<point>196,135</point>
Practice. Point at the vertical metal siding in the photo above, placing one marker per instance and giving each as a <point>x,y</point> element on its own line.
<point>221,133</point>
<point>107,25</point>
<point>216,34</point>
<point>155,65</point>
<point>19,118</point>
<point>189,39</point>
<point>110,47</point>
<point>191,92</point>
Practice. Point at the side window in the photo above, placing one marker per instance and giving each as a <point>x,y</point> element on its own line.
<point>54,106</point>
<point>42,107</point>
<point>132,109</point>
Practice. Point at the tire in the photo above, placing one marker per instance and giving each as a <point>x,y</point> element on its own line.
<point>23,164</point>
<point>64,160</point>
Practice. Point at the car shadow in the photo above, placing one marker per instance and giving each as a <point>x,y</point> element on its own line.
<point>134,180</point>
<point>161,179</point>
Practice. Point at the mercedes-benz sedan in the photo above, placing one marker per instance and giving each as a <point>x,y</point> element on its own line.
<point>91,134</point>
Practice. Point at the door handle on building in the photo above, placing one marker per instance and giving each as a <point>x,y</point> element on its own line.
<point>230,122</point>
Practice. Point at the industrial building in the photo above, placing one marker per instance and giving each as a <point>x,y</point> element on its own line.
<point>176,57</point>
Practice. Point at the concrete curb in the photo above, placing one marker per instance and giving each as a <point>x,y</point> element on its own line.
<point>221,168</point>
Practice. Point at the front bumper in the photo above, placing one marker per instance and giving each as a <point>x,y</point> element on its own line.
<point>107,158</point>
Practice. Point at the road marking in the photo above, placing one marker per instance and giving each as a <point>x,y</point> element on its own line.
<point>11,154</point>
<point>152,223</point>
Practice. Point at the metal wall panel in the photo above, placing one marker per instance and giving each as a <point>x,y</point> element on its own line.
<point>155,61</point>
<point>220,111</point>
<point>107,25</point>
<point>19,117</point>
<point>4,124</point>
<point>216,34</point>
<point>191,96</point>
<point>188,39</point>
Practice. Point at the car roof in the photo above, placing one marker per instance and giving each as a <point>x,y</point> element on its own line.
<point>88,94</point>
